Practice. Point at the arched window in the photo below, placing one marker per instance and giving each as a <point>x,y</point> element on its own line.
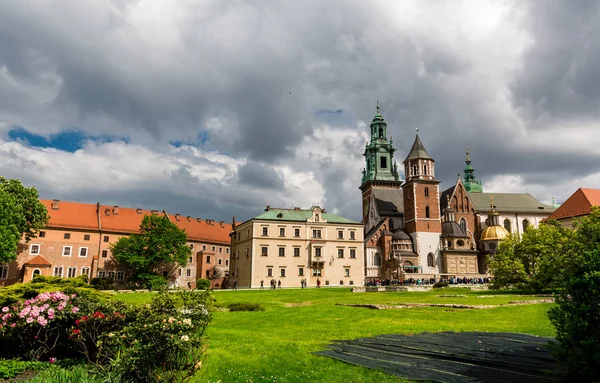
<point>460,243</point>
<point>463,225</point>
<point>430,260</point>
<point>414,170</point>
<point>316,218</point>
<point>36,272</point>
<point>377,260</point>
<point>525,225</point>
<point>425,169</point>
<point>426,192</point>
<point>407,267</point>
<point>426,211</point>
<point>380,132</point>
<point>507,225</point>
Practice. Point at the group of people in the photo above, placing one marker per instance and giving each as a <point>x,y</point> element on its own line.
<point>427,281</point>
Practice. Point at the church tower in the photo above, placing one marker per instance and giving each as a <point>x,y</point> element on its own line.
<point>381,171</point>
<point>471,184</point>
<point>421,202</point>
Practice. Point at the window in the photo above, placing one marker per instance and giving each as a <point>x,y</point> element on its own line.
<point>352,253</point>
<point>269,272</point>
<point>219,261</point>
<point>85,271</point>
<point>190,259</point>
<point>426,192</point>
<point>460,243</point>
<point>430,260</point>
<point>67,236</point>
<point>66,251</point>
<point>214,248</point>
<point>104,253</point>
<point>247,251</point>
<point>188,272</point>
<point>265,231</point>
<point>340,234</point>
<point>317,251</point>
<point>227,250</point>
<point>86,237</point>
<point>296,251</point>
<point>220,249</point>
<point>83,251</point>
<point>316,272</point>
<point>525,225</point>
<point>507,225</point>
<point>71,272</point>
<point>36,272</point>
<point>296,232</point>
<point>383,162</point>
<point>101,274</point>
<point>316,233</point>
<point>41,234</point>
<point>208,259</point>
<point>34,249</point>
<point>426,211</point>
<point>203,247</point>
<point>340,253</point>
<point>341,282</point>
<point>492,246</point>
<point>282,272</point>
<point>377,260</point>
<point>227,262</point>
<point>111,275</point>
<point>120,275</point>
<point>463,225</point>
<point>316,218</point>
<point>4,272</point>
<point>282,251</point>
<point>239,234</point>
<point>414,170</point>
<point>282,232</point>
<point>58,271</point>
<point>179,272</point>
<point>425,169</point>
<point>346,272</point>
<point>264,251</point>
<point>352,235</point>
<point>300,271</point>
<point>207,273</point>
<point>106,238</point>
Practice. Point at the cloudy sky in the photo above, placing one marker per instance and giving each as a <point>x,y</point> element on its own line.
<point>218,108</point>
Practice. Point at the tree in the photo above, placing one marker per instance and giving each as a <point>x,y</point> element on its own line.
<point>577,314</point>
<point>533,261</point>
<point>21,216</point>
<point>159,246</point>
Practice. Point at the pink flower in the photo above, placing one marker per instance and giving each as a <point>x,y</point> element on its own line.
<point>75,309</point>
<point>29,320</point>
<point>5,309</point>
<point>13,325</point>
<point>52,360</point>
<point>42,321</point>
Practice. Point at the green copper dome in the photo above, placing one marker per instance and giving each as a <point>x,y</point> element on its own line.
<point>471,184</point>
<point>379,153</point>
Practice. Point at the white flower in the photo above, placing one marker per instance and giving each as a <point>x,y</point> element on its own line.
<point>187,321</point>
<point>185,338</point>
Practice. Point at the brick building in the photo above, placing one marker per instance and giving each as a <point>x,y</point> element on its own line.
<point>78,237</point>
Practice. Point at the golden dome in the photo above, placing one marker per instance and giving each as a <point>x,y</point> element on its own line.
<point>494,233</point>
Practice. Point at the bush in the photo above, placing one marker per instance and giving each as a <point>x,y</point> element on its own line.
<point>77,374</point>
<point>9,368</point>
<point>103,283</point>
<point>438,285</point>
<point>202,284</point>
<point>152,281</point>
<point>20,291</point>
<point>245,307</point>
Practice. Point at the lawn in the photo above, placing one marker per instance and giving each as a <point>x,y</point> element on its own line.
<point>277,345</point>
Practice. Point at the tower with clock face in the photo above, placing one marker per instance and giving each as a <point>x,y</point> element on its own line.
<point>380,173</point>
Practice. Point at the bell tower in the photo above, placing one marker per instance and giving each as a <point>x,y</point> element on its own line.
<point>472,184</point>
<point>421,201</point>
<point>381,170</point>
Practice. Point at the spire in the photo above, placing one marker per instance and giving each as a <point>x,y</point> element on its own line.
<point>472,184</point>
<point>418,150</point>
<point>379,152</point>
<point>493,215</point>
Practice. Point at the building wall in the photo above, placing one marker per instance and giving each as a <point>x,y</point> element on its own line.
<point>253,265</point>
<point>515,219</point>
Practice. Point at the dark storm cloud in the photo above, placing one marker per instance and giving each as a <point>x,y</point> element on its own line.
<point>260,176</point>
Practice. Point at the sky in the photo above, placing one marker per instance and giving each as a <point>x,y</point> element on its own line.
<point>216,109</point>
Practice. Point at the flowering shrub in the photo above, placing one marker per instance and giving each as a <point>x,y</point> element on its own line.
<point>36,327</point>
<point>94,335</point>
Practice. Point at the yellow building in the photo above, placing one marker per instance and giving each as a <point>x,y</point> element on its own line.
<point>291,245</point>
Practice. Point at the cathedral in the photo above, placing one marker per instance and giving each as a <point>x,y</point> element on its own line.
<point>414,230</point>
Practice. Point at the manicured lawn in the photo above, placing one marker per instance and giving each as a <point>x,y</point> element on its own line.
<point>277,345</point>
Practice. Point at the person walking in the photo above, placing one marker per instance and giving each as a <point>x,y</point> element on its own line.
<point>262,286</point>
<point>235,284</point>
<point>318,283</point>
<point>279,283</point>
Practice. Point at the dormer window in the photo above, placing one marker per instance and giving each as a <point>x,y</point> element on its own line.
<point>316,218</point>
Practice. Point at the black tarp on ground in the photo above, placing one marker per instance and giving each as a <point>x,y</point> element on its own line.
<point>452,357</point>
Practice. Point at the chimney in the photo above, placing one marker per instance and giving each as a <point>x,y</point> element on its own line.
<point>55,204</point>
<point>176,217</point>
<point>268,208</point>
<point>199,220</point>
<point>139,211</point>
<point>107,211</point>
<point>189,217</point>
<point>222,223</point>
<point>233,222</point>
<point>115,210</point>
<point>154,211</point>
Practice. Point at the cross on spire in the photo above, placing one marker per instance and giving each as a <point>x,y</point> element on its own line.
<point>377,106</point>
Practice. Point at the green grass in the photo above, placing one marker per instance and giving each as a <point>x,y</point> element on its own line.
<point>277,345</point>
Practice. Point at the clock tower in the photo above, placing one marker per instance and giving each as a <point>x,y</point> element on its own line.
<point>381,171</point>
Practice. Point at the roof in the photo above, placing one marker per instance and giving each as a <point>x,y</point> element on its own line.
<point>72,215</point>
<point>300,215</point>
<point>447,194</point>
<point>494,233</point>
<point>509,203</point>
<point>203,229</point>
<point>38,261</point>
<point>418,151</point>
<point>400,235</point>
<point>126,220</point>
<point>578,204</point>
<point>452,229</point>
<point>389,202</point>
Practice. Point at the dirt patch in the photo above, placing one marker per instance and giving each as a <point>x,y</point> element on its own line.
<point>451,296</point>
<point>447,305</point>
<point>299,304</point>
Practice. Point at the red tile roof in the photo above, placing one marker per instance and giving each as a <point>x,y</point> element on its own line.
<point>38,261</point>
<point>578,204</point>
<point>73,215</point>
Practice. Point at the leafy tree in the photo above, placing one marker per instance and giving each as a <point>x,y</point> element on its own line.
<point>577,314</point>
<point>21,215</point>
<point>533,261</point>
<point>160,246</point>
